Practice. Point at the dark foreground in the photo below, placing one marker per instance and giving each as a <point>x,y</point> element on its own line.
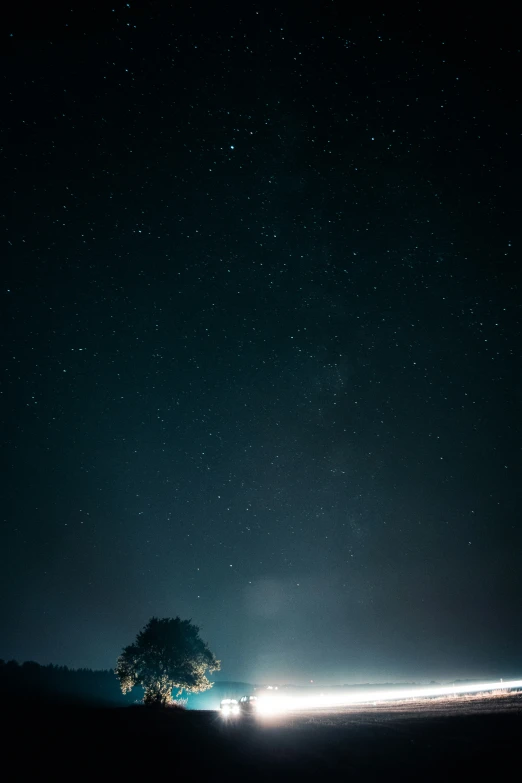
<point>430,741</point>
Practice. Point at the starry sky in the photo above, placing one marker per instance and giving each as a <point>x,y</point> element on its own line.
<point>260,337</point>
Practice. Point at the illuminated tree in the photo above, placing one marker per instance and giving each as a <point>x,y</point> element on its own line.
<point>168,654</point>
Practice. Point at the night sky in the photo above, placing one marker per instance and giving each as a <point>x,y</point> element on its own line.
<point>261,337</point>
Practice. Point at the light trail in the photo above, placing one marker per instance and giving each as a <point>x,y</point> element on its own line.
<point>269,704</point>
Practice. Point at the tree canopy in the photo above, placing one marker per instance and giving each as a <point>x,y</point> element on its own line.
<point>168,655</point>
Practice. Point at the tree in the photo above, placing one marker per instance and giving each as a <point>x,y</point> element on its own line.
<point>167,654</point>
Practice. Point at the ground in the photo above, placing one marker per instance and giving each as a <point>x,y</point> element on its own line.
<point>439,739</point>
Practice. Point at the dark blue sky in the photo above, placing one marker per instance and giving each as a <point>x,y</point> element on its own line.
<point>261,338</point>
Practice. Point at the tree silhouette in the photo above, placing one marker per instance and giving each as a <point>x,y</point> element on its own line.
<point>168,654</point>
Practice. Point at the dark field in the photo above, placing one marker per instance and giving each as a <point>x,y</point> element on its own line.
<point>431,740</point>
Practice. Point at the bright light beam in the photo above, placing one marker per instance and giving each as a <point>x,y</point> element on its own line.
<point>269,705</point>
